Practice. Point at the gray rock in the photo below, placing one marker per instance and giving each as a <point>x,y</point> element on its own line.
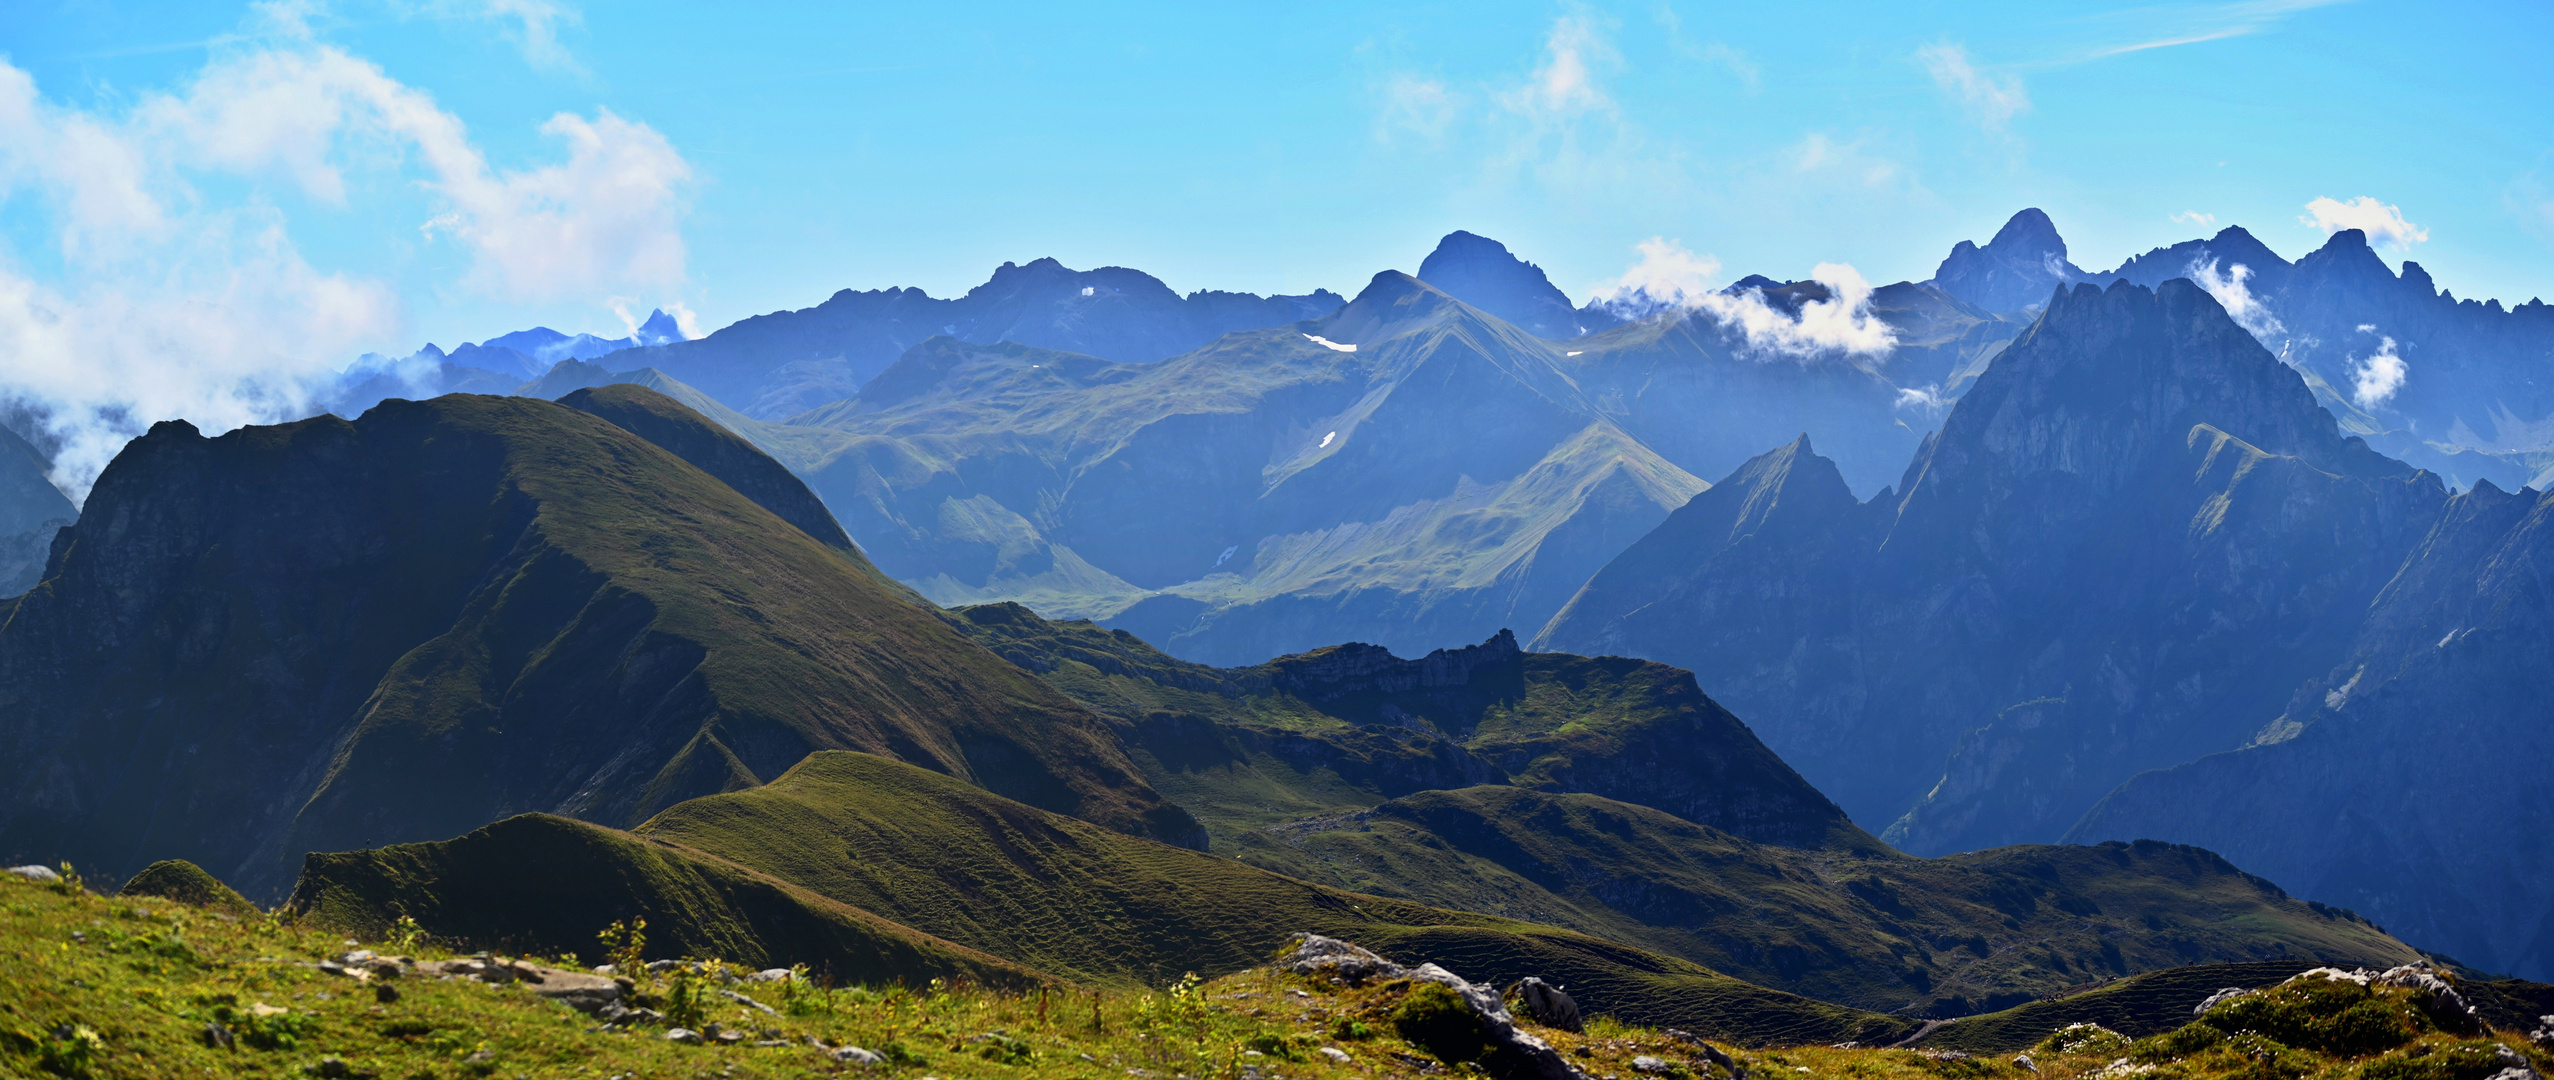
<point>769,975</point>
<point>1314,954</point>
<point>1548,1005</point>
<point>1647,1064</point>
<point>1336,1055</point>
<point>857,1056</point>
<point>35,873</point>
<point>2219,998</point>
<point>2543,1036</point>
<point>2024,1063</point>
<point>686,1036</point>
<point>748,1002</point>
<point>2446,1006</point>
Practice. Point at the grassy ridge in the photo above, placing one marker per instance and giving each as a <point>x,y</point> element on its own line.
<point>545,885</point>
<point>332,635</point>
<point>1064,897</point>
<point>1602,795</point>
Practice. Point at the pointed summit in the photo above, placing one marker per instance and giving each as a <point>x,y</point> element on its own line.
<point>659,329</point>
<point>1479,271</point>
<point>2016,270</point>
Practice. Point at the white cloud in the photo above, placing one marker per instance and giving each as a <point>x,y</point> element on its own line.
<point>2383,223</point>
<point>2194,217</point>
<point>1670,278</point>
<point>535,26</point>
<point>1416,106</point>
<point>2375,379</point>
<point>167,302</point>
<point>1926,399</point>
<point>1564,86</point>
<point>2232,294</point>
<point>1992,100</point>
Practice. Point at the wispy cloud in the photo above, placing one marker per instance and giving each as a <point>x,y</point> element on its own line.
<point>2382,222</point>
<point>1564,86</point>
<point>2168,27</point>
<point>1413,105</point>
<point>1740,66</point>
<point>2229,287</point>
<point>1990,99</point>
<point>2194,217</point>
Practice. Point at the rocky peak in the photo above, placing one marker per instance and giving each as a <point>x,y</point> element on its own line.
<point>1389,304</point>
<point>2346,259</point>
<point>1479,271</point>
<point>2016,270</point>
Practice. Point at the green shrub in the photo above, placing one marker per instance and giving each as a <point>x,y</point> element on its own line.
<point>1434,1019</point>
<point>2333,1016</point>
<point>2181,1042</point>
<point>2456,1061</point>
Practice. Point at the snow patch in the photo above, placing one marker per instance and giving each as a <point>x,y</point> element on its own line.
<point>1088,290</point>
<point>1329,344</point>
<point>1575,352</point>
<point>1325,440</point>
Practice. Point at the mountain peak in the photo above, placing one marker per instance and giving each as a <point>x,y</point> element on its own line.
<point>2015,270</point>
<point>2028,232</point>
<point>659,329</point>
<point>1481,272</point>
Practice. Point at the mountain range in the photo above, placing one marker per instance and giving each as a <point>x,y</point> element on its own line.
<point>606,644</point>
<point>2135,561</point>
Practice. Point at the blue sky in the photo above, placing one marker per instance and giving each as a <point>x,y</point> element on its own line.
<point>289,183</point>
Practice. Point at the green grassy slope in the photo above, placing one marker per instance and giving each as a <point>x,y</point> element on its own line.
<point>1064,897</point>
<point>1567,790</point>
<point>125,987</point>
<point>331,635</point>
<point>546,885</point>
<point>187,883</point>
<point>1875,929</point>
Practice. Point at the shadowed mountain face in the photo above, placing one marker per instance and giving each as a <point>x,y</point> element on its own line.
<point>2139,560</point>
<point>2129,543</point>
<point>328,634</point>
<point>772,366</point>
<point>2451,385</point>
<point>2405,780</point>
<point>31,509</point>
<point>2019,268</point>
<point>1479,271</point>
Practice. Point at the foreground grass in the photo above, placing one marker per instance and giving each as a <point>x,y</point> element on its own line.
<point>126,986</point>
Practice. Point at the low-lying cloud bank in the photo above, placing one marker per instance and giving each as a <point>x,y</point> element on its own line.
<point>1669,278</point>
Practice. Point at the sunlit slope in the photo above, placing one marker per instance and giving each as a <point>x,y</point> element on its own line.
<point>1067,898</point>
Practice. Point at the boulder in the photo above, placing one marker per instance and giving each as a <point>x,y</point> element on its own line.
<point>2219,998</point>
<point>1548,1005</point>
<point>1314,954</point>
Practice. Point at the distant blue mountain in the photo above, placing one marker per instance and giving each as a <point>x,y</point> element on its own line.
<point>548,347</point>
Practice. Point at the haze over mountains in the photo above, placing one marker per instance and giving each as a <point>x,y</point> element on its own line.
<point>2019,553</point>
